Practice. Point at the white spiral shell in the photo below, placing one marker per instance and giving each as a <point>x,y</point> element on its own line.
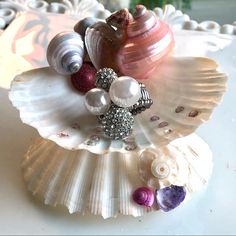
<point>65,53</point>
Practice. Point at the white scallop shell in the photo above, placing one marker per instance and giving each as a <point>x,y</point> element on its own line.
<point>103,184</point>
<point>184,93</point>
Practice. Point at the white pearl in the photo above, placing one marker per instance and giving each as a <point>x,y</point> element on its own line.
<point>125,91</point>
<point>160,169</point>
<point>97,101</point>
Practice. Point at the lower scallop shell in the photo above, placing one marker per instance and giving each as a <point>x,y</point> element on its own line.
<point>184,92</point>
<point>103,184</point>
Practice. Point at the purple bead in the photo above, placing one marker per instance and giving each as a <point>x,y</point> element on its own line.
<point>144,196</point>
<point>170,197</point>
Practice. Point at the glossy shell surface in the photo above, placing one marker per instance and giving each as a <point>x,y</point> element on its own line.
<point>136,48</point>
<point>104,184</point>
<point>184,93</point>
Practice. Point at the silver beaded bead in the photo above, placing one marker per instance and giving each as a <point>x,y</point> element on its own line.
<point>143,103</point>
<point>117,122</point>
<point>104,78</point>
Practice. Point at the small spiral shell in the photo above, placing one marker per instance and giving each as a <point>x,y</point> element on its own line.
<point>143,196</point>
<point>159,169</point>
<point>65,53</point>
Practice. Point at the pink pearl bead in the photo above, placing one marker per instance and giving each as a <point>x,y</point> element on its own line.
<point>84,79</point>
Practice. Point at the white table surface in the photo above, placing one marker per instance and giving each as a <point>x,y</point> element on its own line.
<point>211,211</point>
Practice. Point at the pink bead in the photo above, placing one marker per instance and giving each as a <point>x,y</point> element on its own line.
<point>84,79</point>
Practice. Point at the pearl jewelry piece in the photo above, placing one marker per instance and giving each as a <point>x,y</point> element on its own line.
<point>97,101</point>
<point>125,91</point>
<point>160,169</point>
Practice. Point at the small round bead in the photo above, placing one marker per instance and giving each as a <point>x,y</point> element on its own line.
<point>125,91</point>
<point>117,122</point>
<point>105,77</point>
<point>83,80</point>
<point>97,101</point>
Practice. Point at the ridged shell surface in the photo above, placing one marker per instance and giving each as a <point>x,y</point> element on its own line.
<point>104,184</point>
<point>184,93</point>
<point>135,48</point>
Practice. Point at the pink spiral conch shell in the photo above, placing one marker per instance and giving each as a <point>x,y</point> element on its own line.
<point>132,45</point>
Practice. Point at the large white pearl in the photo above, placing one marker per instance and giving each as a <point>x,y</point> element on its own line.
<point>125,91</point>
<point>97,101</point>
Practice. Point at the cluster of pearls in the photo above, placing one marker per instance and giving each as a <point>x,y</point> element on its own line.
<point>111,100</point>
<point>115,101</point>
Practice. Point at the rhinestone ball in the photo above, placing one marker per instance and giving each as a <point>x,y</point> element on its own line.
<point>97,101</point>
<point>117,122</point>
<point>104,78</point>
